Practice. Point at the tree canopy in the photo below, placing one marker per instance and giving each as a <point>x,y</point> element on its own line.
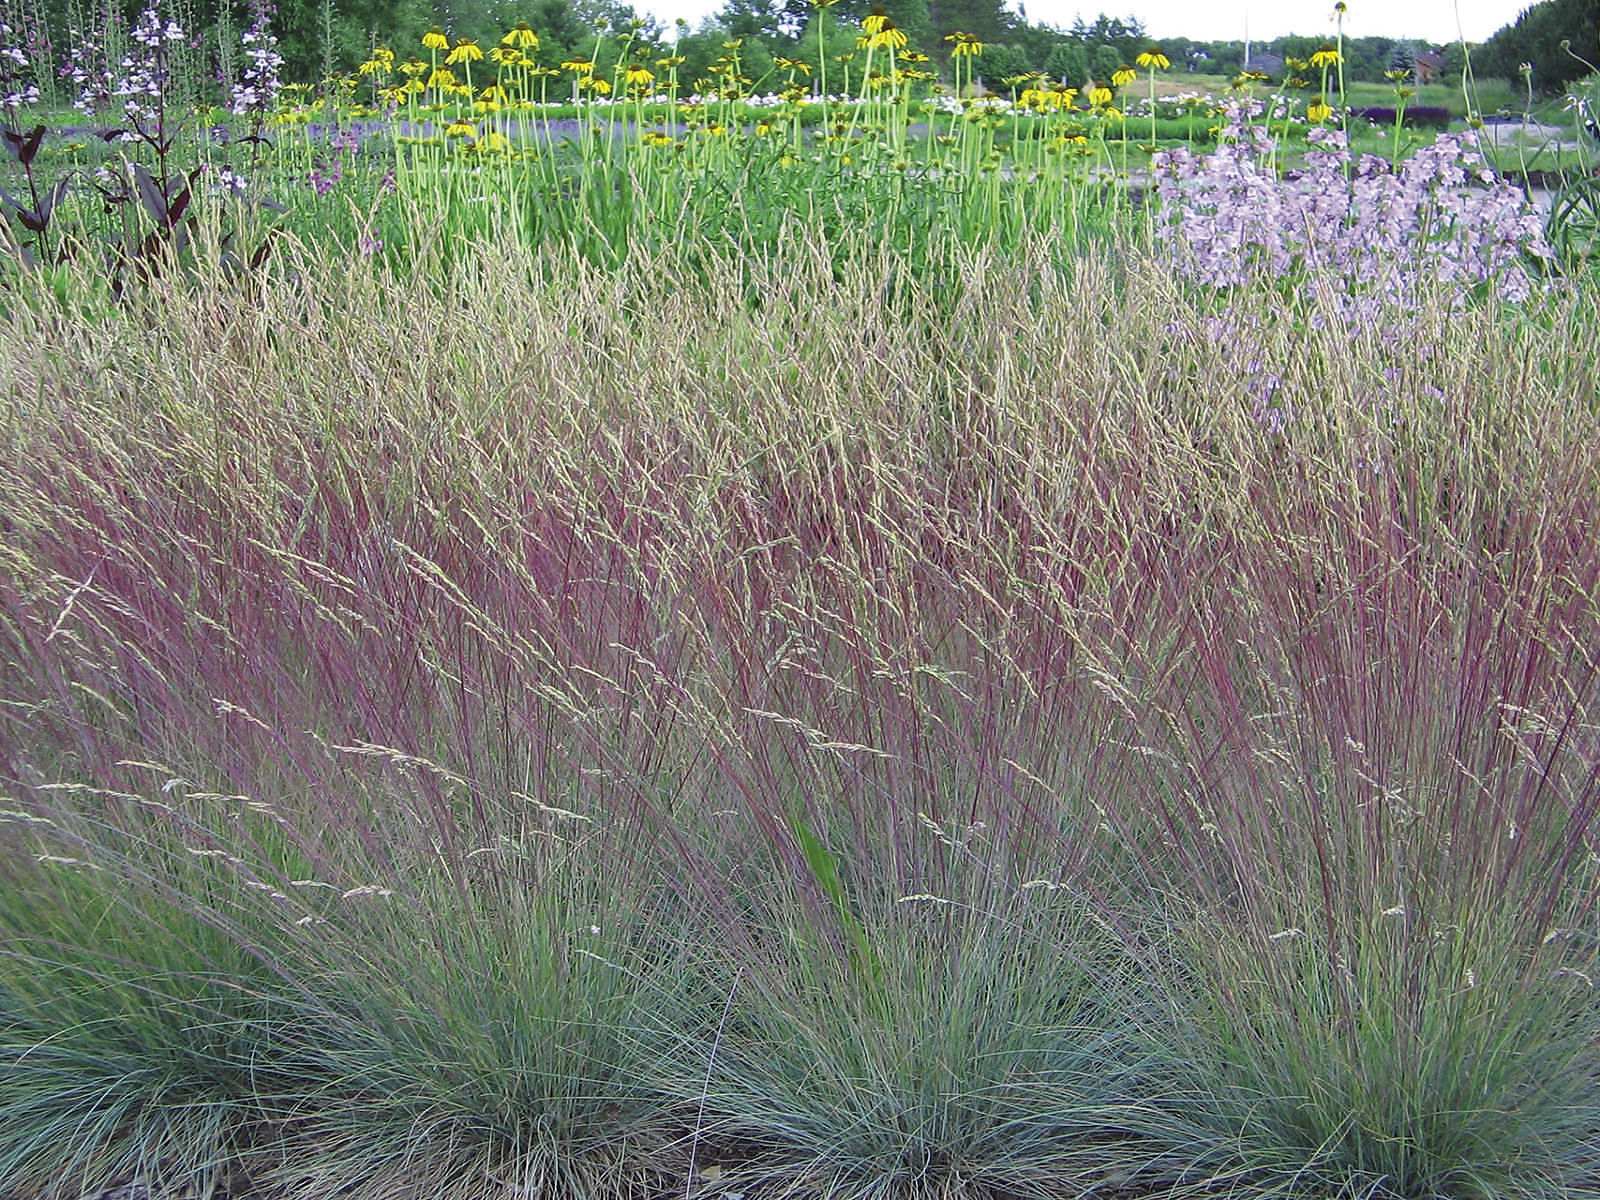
<point>1536,38</point>
<point>317,37</point>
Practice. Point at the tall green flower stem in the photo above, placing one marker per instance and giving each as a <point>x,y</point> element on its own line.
<point>821,8</point>
<point>1338,37</point>
<point>1152,60</point>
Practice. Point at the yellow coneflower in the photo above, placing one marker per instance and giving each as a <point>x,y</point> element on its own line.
<point>638,76</point>
<point>792,65</point>
<point>459,128</point>
<point>890,37</point>
<point>579,66</point>
<point>443,78</point>
<point>1326,56</point>
<point>1123,76</point>
<point>593,83</point>
<point>412,67</point>
<point>466,51</point>
<point>521,36</point>
<point>508,56</point>
<point>435,39</point>
<point>657,139</point>
<point>1047,98</point>
<point>964,45</point>
<point>873,23</point>
<point>381,62</point>
<point>1099,96</point>
<point>1319,111</point>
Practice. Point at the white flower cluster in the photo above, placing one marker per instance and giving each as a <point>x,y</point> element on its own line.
<point>257,89</point>
<point>17,91</point>
<point>146,76</point>
<point>87,69</point>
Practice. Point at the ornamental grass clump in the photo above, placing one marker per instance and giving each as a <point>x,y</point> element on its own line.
<point>914,742</point>
<point>1372,807</point>
<point>1362,235</point>
<point>1027,1076</point>
<point>133,1028</point>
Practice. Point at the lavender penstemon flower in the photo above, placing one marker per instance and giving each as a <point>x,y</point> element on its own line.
<point>328,170</point>
<point>1371,232</point>
<point>325,174</point>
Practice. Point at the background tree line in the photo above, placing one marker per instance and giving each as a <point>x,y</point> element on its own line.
<point>320,37</point>
<point>1536,38</point>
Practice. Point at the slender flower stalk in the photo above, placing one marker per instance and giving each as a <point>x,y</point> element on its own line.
<point>1153,60</point>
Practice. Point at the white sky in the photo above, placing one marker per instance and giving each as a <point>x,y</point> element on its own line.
<point>1439,21</point>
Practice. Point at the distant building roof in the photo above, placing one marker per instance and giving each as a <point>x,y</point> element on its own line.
<point>1267,64</point>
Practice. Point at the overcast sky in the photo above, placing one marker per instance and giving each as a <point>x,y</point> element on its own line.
<point>1215,20</point>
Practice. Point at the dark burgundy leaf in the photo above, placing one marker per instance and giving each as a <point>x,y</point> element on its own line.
<point>30,148</point>
<point>260,256</point>
<point>53,198</point>
<point>179,203</point>
<point>150,192</point>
